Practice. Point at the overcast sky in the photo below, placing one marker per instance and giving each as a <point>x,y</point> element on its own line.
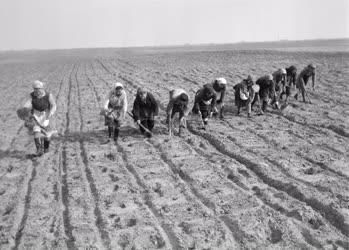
<point>46,24</point>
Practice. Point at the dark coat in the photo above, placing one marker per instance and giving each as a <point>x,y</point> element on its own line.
<point>145,110</point>
<point>291,74</point>
<point>205,99</point>
<point>267,87</point>
<point>244,87</point>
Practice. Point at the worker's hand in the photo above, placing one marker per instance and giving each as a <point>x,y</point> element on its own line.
<point>211,114</point>
<point>199,113</point>
<point>50,115</point>
<point>138,122</point>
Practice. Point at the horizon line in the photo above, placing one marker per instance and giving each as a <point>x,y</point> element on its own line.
<point>174,45</point>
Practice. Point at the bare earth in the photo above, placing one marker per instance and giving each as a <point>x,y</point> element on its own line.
<point>278,181</point>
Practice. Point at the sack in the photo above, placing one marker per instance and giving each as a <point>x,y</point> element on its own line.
<point>23,113</point>
<point>30,122</point>
<point>255,88</point>
<point>243,96</point>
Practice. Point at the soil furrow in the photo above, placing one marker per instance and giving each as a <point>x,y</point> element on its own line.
<point>46,179</point>
<point>99,222</point>
<point>188,180</point>
<point>129,81</point>
<point>23,211</point>
<point>68,228</point>
<point>333,216</point>
<point>27,199</point>
<point>323,166</point>
<point>175,242</point>
<point>185,178</point>
<point>289,153</point>
<point>147,200</point>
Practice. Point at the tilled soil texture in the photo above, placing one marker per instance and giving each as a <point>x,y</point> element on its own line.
<point>277,181</point>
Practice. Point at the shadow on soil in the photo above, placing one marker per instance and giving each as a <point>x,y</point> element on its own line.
<point>17,154</point>
<point>100,136</point>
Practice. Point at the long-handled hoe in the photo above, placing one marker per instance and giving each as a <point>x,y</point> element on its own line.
<point>170,127</point>
<point>306,94</point>
<point>147,131</point>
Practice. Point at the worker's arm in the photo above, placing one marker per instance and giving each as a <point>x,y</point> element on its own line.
<point>169,107</point>
<point>197,101</point>
<point>214,101</point>
<point>106,103</point>
<point>53,106</point>
<point>221,99</point>
<point>313,80</point>
<point>135,110</point>
<point>28,104</point>
<point>124,105</point>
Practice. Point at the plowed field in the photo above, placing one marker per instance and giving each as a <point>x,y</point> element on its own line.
<point>278,181</point>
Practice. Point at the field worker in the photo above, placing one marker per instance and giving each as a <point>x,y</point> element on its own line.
<point>266,90</point>
<point>145,108</point>
<point>245,93</point>
<point>178,103</point>
<point>205,103</point>
<point>220,86</point>
<point>291,73</point>
<point>291,76</point>
<point>279,78</point>
<point>43,107</point>
<point>303,78</point>
<point>115,108</point>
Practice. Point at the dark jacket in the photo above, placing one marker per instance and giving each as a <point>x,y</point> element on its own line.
<point>267,87</point>
<point>145,110</point>
<point>205,99</point>
<point>245,88</point>
<point>291,74</point>
<point>306,74</point>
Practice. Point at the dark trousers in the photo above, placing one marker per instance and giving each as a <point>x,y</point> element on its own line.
<point>148,123</point>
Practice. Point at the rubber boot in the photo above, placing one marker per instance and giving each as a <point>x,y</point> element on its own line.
<point>46,145</point>
<point>180,131</point>
<point>39,147</point>
<point>303,96</point>
<point>221,116</point>
<point>110,131</point>
<point>264,105</point>
<point>116,134</point>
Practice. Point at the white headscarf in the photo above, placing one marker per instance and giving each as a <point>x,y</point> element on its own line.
<point>117,84</point>
<point>38,84</point>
